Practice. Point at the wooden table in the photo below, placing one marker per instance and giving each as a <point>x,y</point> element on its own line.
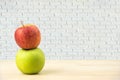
<point>65,70</point>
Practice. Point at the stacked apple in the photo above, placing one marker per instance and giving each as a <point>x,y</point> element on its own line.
<point>29,59</point>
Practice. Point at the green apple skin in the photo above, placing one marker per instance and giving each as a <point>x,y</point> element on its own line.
<point>30,61</point>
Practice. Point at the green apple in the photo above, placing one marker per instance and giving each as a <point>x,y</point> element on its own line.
<point>30,61</point>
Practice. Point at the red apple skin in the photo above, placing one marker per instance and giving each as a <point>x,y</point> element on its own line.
<point>27,36</point>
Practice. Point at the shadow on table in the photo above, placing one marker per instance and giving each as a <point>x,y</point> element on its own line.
<point>50,72</point>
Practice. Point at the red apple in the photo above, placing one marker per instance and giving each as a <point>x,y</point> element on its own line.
<point>27,36</point>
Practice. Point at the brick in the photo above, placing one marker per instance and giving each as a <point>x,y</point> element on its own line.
<point>70,29</point>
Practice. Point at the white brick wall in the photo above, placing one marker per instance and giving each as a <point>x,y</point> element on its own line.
<point>71,29</point>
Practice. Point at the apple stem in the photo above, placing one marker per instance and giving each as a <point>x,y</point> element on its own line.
<point>22,23</point>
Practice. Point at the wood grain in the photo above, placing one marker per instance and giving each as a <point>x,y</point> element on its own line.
<point>65,70</point>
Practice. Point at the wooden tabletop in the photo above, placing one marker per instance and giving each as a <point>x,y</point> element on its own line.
<point>65,70</point>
